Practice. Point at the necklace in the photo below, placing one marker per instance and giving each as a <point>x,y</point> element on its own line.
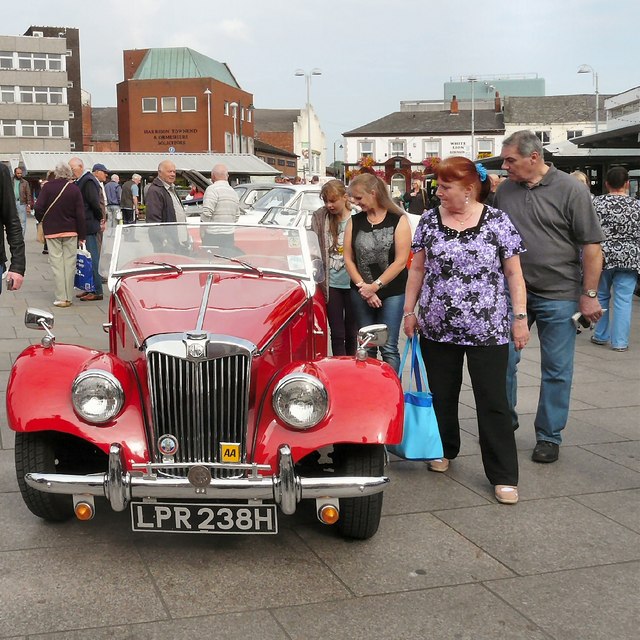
<point>371,222</point>
<point>463,220</point>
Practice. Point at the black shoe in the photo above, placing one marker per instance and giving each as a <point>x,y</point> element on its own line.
<point>545,451</point>
<point>44,252</point>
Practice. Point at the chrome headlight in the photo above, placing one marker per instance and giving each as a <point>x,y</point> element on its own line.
<point>300,400</point>
<point>97,396</point>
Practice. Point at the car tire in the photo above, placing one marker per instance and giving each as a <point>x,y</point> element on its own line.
<point>35,453</point>
<point>360,517</point>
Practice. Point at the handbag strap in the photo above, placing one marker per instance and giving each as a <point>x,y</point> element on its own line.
<point>56,200</point>
<point>418,371</point>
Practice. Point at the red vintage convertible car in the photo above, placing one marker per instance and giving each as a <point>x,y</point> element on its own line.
<point>216,408</point>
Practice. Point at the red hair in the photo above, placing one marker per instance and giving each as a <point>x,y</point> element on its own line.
<point>462,170</point>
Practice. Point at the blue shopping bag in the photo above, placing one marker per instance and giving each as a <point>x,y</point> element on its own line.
<point>84,271</point>
<point>421,437</point>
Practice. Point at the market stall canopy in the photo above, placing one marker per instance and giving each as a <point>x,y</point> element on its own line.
<point>238,164</point>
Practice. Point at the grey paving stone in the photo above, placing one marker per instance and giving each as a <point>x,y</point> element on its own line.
<point>8,480</point>
<point>620,393</point>
<point>415,489</point>
<point>626,454</point>
<point>231,626</point>
<point>541,536</point>
<point>412,551</point>
<point>625,421</point>
<point>52,590</point>
<point>204,575</point>
<point>621,506</point>
<point>584,604</point>
<point>577,471</point>
<point>466,612</point>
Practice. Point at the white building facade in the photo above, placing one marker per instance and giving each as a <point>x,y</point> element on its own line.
<point>34,108</point>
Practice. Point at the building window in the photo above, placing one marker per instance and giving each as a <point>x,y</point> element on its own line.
<point>149,105</point>
<point>7,94</point>
<point>188,103</point>
<point>228,142</point>
<point>6,60</point>
<point>365,148</point>
<point>291,163</point>
<point>485,149</point>
<point>397,148</point>
<point>39,62</point>
<point>271,160</point>
<point>8,127</point>
<point>573,134</point>
<point>226,108</point>
<point>248,115</point>
<point>43,128</point>
<point>169,105</point>
<point>42,95</point>
<point>545,136</point>
<point>431,148</point>
<point>280,162</point>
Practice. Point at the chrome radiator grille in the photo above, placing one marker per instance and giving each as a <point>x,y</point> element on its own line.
<point>202,403</point>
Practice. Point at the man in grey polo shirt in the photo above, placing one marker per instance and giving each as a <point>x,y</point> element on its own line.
<point>554,215</point>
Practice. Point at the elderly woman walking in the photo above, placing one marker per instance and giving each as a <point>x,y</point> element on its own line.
<point>60,210</point>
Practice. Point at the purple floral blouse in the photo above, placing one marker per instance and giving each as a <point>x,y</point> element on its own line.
<point>463,298</point>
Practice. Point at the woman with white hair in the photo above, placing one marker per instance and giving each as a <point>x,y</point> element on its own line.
<point>60,211</point>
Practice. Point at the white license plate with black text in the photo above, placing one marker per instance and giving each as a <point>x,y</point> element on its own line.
<point>204,518</point>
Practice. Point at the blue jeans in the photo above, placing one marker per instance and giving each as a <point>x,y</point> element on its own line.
<point>557,335</point>
<point>92,248</point>
<point>616,328</point>
<point>22,214</point>
<point>390,313</point>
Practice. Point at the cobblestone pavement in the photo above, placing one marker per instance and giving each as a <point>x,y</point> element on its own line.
<point>447,562</point>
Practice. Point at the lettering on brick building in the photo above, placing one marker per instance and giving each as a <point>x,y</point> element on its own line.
<point>171,137</point>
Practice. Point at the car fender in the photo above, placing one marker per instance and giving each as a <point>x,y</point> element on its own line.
<point>366,406</point>
<point>39,398</point>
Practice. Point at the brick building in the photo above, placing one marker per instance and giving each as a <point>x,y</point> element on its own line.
<point>179,100</point>
<point>282,160</point>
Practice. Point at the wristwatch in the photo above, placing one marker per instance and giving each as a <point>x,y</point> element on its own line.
<point>520,316</point>
<point>590,293</point>
<point>379,283</point>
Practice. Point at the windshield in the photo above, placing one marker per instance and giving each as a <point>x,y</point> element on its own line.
<point>182,246</point>
<point>277,197</point>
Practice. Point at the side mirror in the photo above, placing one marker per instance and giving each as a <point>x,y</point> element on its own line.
<point>37,319</point>
<point>373,335</point>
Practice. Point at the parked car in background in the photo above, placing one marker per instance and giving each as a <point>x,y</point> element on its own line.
<point>299,196</point>
<point>249,192</point>
<point>285,217</point>
<point>216,408</point>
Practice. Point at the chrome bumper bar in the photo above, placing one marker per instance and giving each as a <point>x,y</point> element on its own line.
<point>119,487</point>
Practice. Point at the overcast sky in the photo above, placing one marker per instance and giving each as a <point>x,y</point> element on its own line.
<point>372,53</point>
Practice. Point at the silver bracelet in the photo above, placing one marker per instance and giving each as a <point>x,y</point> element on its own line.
<point>406,315</point>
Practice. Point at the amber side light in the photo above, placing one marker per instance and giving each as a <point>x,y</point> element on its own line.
<point>84,511</point>
<point>328,514</point>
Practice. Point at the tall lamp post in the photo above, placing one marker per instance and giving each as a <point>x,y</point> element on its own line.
<point>307,76</point>
<point>585,68</point>
<point>473,80</point>
<point>207,92</point>
<point>234,106</point>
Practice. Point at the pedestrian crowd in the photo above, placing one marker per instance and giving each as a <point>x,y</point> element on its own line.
<point>482,261</point>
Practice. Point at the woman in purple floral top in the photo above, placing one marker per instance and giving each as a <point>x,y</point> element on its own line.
<point>463,253</point>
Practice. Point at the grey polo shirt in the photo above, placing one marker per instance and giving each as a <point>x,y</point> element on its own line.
<point>554,218</point>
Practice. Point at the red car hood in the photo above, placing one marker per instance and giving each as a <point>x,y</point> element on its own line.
<point>241,305</point>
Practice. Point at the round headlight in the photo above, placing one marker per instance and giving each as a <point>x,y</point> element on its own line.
<point>300,400</point>
<point>97,396</point>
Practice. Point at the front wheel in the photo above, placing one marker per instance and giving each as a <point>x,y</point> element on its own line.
<point>35,453</point>
<point>360,517</point>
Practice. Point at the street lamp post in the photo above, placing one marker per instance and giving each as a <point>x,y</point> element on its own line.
<point>207,92</point>
<point>307,76</point>
<point>472,80</point>
<point>234,106</point>
<point>585,68</point>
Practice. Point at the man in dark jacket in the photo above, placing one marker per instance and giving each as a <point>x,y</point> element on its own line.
<point>91,196</point>
<point>163,205</point>
<point>11,227</point>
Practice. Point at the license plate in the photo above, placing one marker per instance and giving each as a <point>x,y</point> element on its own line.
<point>204,518</point>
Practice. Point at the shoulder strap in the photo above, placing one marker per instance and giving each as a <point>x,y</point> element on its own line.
<point>56,200</point>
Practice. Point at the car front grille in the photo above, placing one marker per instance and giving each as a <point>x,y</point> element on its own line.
<point>202,403</point>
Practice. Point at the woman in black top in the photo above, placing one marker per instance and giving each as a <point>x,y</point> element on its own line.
<point>376,249</point>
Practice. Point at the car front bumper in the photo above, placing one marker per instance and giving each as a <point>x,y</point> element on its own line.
<point>286,488</point>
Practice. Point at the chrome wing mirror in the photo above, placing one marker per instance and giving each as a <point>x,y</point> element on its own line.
<point>373,335</point>
<point>42,320</point>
